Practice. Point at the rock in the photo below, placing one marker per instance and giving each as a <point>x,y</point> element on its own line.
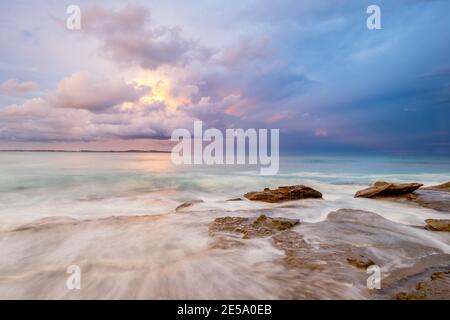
<point>405,279</point>
<point>45,223</point>
<point>187,204</point>
<point>359,261</point>
<point>441,187</point>
<point>275,223</point>
<point>225,243</point>
<point>381,189</point>
<point>228,224</point>
<point>436,199</point>
<point>438,224</point>
<point>434,288</point>
<point>250,228</point>
<point>433,198</point>
<point>284,194</point>
<point>288,241</point>
<point>235,199</point>
<point>377,238</point>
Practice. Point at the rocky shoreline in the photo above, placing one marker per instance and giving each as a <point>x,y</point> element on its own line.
<point>348,242</point>
<point>276,256</point>
<point>336,250</point>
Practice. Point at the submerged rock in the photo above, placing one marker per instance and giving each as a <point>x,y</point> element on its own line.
<point>288,241</point>
<point>359,260</point>
<point>262,226</point>
<point>187,204</point>
<point>382,188</point>
<point>437,286</point>
<point>438,224</point>
<point>56,222</point>
<point>47,222</point>
<point>284,193</point>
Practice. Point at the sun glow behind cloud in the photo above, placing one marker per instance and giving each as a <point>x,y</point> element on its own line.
<point>160,90</point>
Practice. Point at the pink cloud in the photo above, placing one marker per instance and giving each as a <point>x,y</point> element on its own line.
<point>12,86</point>
<point>277,117</point>
<point>83,109</point>
<point>246,50</point>
<point>81,92</point>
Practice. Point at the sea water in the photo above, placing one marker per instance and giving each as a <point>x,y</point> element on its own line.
<point>34,185</point>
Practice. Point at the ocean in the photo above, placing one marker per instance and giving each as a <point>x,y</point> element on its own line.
<point>34,185</point>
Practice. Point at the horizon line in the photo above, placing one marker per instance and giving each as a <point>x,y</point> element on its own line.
<point>87,151</point>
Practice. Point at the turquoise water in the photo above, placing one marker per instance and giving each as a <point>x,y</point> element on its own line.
<point>82,185</point>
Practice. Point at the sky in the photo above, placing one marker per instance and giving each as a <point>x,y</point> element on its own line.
<point>137,70</point>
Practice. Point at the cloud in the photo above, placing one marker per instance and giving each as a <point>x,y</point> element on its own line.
<point>246,50</point>
<point>12,86</point>
<point>321,133</point>
<point>82,109</point>
<point>277,117</point>
<point>211,110</point>
<point>126,37</point>
<point>251,93</point>
<point>81,92</point>
<point>37,120</point>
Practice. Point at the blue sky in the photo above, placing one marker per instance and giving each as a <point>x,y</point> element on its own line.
<point>138,70</point>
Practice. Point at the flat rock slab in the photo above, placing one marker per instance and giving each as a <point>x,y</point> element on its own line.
<point>438,224</point>
<point>435,199</point>
<point>285,193</point>
<point>382,188</point>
